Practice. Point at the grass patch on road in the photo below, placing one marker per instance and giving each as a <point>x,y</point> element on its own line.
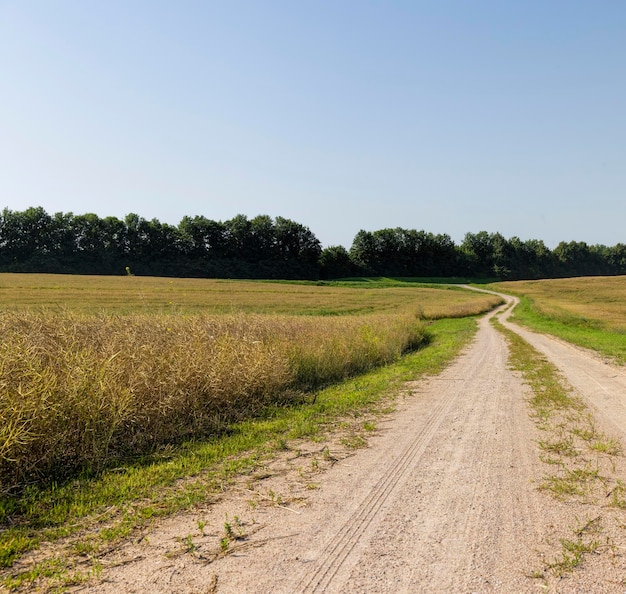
<point>90,515</point>
<point>581,458</point>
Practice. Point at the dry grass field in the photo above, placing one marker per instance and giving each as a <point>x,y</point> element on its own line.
<point>94,369</point>
<point>599,300</point>
<point>134,294</point>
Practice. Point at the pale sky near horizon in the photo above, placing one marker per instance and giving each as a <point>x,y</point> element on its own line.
<point>448,116</point>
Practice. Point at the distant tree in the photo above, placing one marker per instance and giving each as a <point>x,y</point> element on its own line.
<point>27,239</point>
<point>239,238</point>
<point>363,252</point>
<point>404,252</point>
<point>531,259</point>
<point>262,247</point>
<point>335,262</point>
<point>62,256</point>
<point>477,250</point>
<point>96,248</point>
<point>444,260</point>
<point>431,255</point>
<point>263,241</point>
<point>575,258</point>
<point>298,248</point>
<point>203,238</point>
<point>616,258</point>
<point>488,255</point>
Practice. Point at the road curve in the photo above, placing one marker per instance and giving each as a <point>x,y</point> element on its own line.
<point>445,499</point>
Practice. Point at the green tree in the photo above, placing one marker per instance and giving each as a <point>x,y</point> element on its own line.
<point>616,258</point>
<point>335,262</point>
<point>27,239</point>
<point>263,241</point>
<point>576,258</point>
<point>363,252</point>
<point>297,248</point>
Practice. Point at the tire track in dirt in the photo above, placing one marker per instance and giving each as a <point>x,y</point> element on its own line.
<point>444,500</point>
<point>335,555</point>
<point>473,399</point>
<point>476,507</point>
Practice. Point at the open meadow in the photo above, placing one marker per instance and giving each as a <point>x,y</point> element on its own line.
<point>113,389</point>
<point>587,311</point>
<point>94,369</point>
<point>154,295</point>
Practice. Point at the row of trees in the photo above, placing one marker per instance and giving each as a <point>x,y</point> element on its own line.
<point>263,247</point>
<point>401,252</point>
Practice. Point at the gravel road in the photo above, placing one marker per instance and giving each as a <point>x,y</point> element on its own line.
<point>444,499</point>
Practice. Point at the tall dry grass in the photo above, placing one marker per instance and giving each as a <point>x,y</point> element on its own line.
<point>80,392</point>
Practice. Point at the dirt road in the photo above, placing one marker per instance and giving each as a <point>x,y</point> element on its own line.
<point>444,499</point>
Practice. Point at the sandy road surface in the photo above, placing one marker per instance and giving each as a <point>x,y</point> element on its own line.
<point>443,500</point>
<point>602,385</point>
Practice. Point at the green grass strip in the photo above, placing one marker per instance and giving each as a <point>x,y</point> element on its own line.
<point>570,436</point>
<point>549,394</point>
<point>580,331</point>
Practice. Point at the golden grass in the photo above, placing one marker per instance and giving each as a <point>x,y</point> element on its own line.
<point>599,299</point>
<point>96,369</point>
<point>78,391</point>
<point>162,295</point>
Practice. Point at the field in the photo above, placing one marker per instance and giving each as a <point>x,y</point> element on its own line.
<point>589,312</point>
<point>96,369</point>
<point>149,295</point>
<point>125,400</point>
<point>159,380</point>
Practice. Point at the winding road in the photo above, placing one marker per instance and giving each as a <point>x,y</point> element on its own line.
<point>445,499</point>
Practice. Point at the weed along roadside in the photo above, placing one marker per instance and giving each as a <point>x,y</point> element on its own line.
<point>111,421</point>
<point>91,391</point>
<point>580,461</point>
<point>585,469</point>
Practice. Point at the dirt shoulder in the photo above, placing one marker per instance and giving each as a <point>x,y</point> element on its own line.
<point>444,499</point>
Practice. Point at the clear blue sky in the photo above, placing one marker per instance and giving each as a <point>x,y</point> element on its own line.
<point>444,115</point>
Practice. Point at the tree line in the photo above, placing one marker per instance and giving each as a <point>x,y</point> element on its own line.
<point>272,248</point>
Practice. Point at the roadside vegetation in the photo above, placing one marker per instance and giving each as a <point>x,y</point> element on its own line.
<point>82,392</point>
<point>121,402</point>
<point>580,459</point>
<point>588,312</point>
